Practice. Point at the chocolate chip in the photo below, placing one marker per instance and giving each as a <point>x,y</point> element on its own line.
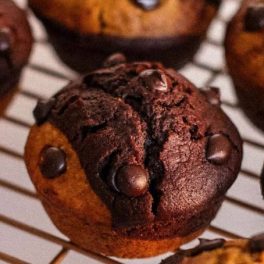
<point>155,79</point>
<point>5,45</point>
<point>218,149</point>
<point>52,162</point>
<point>115,59</point>
<point>214,2</point>
<point>254,19</point>
<point>147,4</point>
<point>256,243</point>
<point>212,95</point>
<point>205,245</point>
<point>132,180</point>
<point>43,109</point>
<point>262,181</point>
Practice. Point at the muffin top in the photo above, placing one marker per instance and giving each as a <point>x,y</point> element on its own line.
<point>245,43</point>
<point>157,151</point>
<point>15,38</point>
<point>130,18</point>
<point>218,251</point>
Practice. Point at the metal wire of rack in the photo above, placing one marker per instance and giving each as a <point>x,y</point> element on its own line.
<point>26,233</point>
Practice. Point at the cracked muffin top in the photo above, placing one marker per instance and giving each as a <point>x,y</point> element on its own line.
<point>130,18</point>
<point>157,151</point>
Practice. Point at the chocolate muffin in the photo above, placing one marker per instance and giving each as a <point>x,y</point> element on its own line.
<point>219,251</point>
<point>85,32</point>
<point>245,58</point>
<point>132,160</point>
<point>15,46</point>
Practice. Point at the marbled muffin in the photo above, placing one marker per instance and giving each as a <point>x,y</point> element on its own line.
<point>245,58</point>
<point>240,251</point>
<point>85,32</point>
<point>15,47</point>
<point>132,160</point>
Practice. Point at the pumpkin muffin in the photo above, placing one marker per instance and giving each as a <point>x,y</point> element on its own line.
<point>132,160</point>
<point>245,58</point>
<point>85,32</point>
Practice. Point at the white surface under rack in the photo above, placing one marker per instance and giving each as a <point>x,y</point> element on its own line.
<point>26,233</point>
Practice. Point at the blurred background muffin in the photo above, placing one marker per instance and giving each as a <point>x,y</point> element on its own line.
<point>85,32</point>
<point>15,47</point>
<point>245,58</point>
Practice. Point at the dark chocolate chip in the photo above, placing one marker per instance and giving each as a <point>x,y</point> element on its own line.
<point>174,259</point>
<point>256,243</point>
<point>262,181</point>
<point>147,4</point>
<point>43,109</point>
<point>218,149</point>
<point>132,180</point>
<point>208,245</point>
<point>254,19</point>
<point>115,59</point>
<point>5,45</point>
<point>214,2</point>
<point>155,80</point>
<point>52,162</point>
<point>204,245</point>
<point>212,95</point>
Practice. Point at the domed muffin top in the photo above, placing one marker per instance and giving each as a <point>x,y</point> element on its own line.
<point>245,41</point>
<point>130,18</point>
<point>213,251</point>
<point>157,151</point>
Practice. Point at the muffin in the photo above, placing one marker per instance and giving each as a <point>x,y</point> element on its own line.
<point>240,251</point>
<point>15,47</point>
<point>245,58</point>
<point>132,160</point>
<point>85,32</point>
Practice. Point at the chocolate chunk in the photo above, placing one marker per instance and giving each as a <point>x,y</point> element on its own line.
<point>262,181</point>
<point>218,149</point>
<point>254,19</point>
<point>208,245</point>
<point>213,95</point>
<point>256,243</point>
<point>214,2</point>
<point>42,110</point>
<point>174,259</point>
<point>132,180</point>
<point>147,4</point>
<point>115,59</point>
<point>52,162</point>
<point>155,80</point>
<point>5,45</point>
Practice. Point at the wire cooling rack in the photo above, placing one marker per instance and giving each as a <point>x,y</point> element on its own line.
<point>26,233</point>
